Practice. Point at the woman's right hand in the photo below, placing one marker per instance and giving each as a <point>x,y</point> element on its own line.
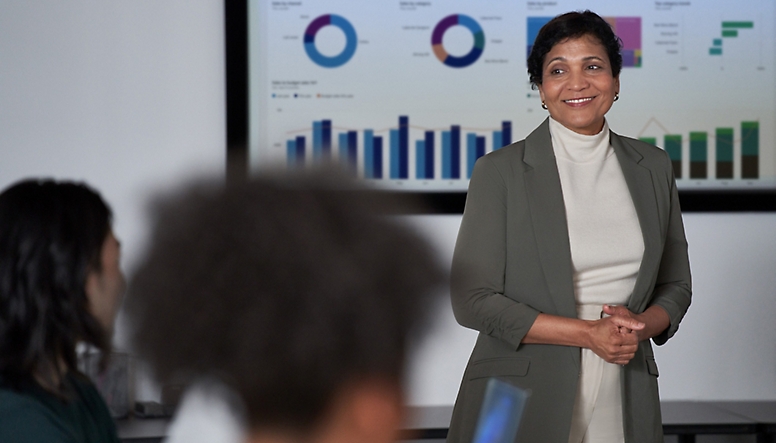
<point>614,339</point>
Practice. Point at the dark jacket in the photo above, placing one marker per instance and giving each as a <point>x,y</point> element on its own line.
<point>512,261</point>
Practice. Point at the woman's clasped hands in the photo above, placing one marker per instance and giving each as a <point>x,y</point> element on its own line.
<point>615,338</point>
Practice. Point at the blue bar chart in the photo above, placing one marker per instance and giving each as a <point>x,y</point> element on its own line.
<point>444,153</point>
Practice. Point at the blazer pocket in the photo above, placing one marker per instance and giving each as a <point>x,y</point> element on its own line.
<point>499,367</point>
<point>652,367</point>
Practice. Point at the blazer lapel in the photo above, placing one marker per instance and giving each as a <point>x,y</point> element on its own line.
<point>641,186</point>
<point>548,214</point>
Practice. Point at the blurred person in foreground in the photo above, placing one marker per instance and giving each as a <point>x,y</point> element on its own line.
<point>297,297</point>
<point>60,285</point>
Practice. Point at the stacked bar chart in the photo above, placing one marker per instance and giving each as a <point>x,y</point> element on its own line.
<point>750,149</point>
<point>456,149</point>
<point>673,145</point>
<point>699,148</point>
<point>724,147</point>
<point>723,151</point>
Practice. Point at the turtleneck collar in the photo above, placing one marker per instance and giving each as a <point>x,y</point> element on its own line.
<point>580,148</point>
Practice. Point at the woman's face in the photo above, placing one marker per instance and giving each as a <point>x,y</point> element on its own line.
<point>577,84</point>
<point>105,288</point>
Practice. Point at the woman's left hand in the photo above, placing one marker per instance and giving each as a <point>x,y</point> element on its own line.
<point>655,318</point>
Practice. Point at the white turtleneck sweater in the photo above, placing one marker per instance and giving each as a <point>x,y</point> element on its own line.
<point>604,231</point>
<point>606,251</point>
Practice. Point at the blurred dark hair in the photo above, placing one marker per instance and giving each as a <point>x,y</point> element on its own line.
<point>286,290</point>
<point>51,235</point>
<point>572,25</point>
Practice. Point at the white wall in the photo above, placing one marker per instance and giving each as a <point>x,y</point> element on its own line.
<point>125,95</point>
<point>128,95</point>
<point>725,348</point>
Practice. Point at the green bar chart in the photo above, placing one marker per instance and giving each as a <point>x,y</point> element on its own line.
<point>673,145</point>
<point>699,147</point>
<point>730,29</point>
<point>750,149</point>
<point>725,153</point>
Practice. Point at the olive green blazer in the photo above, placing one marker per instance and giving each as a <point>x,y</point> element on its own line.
<point>512,261</point>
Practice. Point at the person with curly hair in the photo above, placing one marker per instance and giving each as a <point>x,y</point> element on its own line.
<point>298,297</point>
<point>60,285</point>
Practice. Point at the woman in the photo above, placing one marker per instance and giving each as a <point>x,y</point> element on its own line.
<point>571,255</point>
<point>60,284</point>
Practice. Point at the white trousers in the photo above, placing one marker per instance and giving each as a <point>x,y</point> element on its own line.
<point>597,416</point>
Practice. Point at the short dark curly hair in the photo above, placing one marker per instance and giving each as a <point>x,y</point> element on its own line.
<point>573,25</point>
<point>285,290</point>
<point>51,235</point>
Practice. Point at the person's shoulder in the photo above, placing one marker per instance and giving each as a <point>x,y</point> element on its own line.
<point>644,148</point>
<point>88,400</point>
<point>85,390</point>
<point>508,154</point>
<point>13,401</point>
<point>209,411</point>
<point>29,414</point>
<point>651,153</point>
<point>514,149</point>
<point>24,418</point>
<point>499,163</point>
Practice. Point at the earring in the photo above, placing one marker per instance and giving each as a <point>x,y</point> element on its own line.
<point>544,105</point>
<point>616,96</point>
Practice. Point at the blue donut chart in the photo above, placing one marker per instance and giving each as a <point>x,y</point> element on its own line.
<point>350,41</point>
<point>447,23</point>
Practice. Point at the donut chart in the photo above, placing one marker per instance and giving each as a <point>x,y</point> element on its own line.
<point>447,23</point>
<point>350,41</point>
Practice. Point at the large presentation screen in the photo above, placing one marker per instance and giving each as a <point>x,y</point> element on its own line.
<point>408,94</point>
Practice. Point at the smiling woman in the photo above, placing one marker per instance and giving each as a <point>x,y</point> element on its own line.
<point>569,263</point>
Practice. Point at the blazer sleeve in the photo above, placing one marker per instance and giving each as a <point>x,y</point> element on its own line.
<point>673,286</point>
<point>479,262</point>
